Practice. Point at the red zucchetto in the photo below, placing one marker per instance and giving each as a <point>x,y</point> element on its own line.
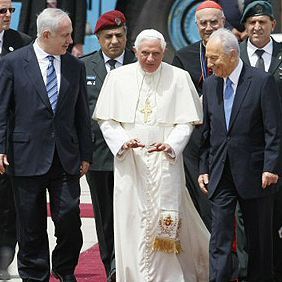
<point>209,4</point>
<point>109,20</point>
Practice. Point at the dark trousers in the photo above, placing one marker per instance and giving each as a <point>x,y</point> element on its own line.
<point>8,233</point>
<point>277,239</point>
<point>30,202</point>
<point>101,185</point>
<point>257,215</point>
<point>191,155</point>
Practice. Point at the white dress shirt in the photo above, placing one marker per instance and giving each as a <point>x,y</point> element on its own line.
<point>43,62</point>
<point>253,57</point>
<point>1,40</point>
<point>119,60</point>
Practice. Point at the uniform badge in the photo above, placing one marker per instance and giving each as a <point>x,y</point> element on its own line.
<point>118,21</point>
<point>90,79</point>
<point>258,9</point>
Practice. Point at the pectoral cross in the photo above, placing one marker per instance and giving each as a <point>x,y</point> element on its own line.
<point>147,110</point>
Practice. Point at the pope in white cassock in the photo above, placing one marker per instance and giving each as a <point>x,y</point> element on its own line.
<point>146,111</point>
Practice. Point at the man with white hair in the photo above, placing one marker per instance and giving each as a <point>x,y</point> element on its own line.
<point>49,145</point>
<point>146,111</point>
<point>240,159</point>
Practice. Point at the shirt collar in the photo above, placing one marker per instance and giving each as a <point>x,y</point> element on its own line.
<point>234,76</point>
<point>118,59</point>
<point>41,54</point>
<point>267,48</point>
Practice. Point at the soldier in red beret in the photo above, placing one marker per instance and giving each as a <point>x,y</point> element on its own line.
<point>111,32</point>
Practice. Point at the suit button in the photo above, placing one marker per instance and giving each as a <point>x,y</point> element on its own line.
<point>228,138</point>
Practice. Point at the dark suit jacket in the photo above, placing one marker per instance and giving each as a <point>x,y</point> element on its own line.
<point>13,40</point>
<point>252,142</point>
<point>276,62</point>
<point>95,75</point>
<point>34,130</point>
<point>188,58</point>
<point>75,8</point>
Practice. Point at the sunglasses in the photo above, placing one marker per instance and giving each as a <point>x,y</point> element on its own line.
<point>4,10</point>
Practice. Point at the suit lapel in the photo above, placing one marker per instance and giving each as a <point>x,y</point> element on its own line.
<point>220,104</point>
<point>66,76</point>
<point>99,67</point>
<point>276,59</point>
<point>35,77</point>
<point>241,91</point>
<point>243,53</point>
<point>7,46</point>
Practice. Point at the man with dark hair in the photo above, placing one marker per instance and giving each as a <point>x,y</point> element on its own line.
<point>111,32</point>
<point>10,40</point>
<point>262,51</point>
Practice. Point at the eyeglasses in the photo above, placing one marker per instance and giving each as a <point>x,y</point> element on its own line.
<point>4,10</point>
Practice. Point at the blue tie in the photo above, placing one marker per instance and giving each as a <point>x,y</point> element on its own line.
<point>228,101</point>
<point>51,83</point>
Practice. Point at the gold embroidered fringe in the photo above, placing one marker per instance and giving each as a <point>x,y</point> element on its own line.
<point>167,245</point>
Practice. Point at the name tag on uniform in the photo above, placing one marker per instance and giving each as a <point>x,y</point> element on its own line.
<point>90,80</point>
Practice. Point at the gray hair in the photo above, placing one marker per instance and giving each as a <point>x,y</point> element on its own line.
<point>50,19</point>
<point>149,34</point>
<point>227,38</point>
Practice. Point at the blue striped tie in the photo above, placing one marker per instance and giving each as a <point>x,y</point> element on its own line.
<point>228,101</point>
<point>51,83</point>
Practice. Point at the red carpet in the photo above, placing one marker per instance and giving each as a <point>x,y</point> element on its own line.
<point>90,267</point>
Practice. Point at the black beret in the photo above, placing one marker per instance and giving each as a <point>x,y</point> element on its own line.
<point>257,8</point>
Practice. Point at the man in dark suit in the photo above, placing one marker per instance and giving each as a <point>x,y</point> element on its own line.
<point>260,23</point>
<point>209,17</point>
<point>240,159</point>
<point>75,8</point>
<point>111,32</point>
<point>10,40</point>
<point>45,144</point>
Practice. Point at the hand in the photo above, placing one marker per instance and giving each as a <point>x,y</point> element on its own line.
<point>203,181</point>
<point>77,50</point>
<point>132,143</point>
<point>160,147</point>
<point>268,178</point>
<point>84,168</point>
<point>3,163</point>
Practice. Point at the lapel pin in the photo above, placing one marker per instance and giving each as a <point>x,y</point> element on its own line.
<point>11,49</point>
<point>280,57</point>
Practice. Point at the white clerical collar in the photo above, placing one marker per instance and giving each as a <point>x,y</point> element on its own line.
<point>118,59</point>
<point>234,76</point>
<point>267,48</point>
<point>41,54</point>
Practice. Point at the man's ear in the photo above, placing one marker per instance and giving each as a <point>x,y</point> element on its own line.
<point>273,25</point>
<point>46,34</point>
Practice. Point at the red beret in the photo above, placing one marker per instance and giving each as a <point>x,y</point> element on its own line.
<point>110,19</point>
<point>209,4</point>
